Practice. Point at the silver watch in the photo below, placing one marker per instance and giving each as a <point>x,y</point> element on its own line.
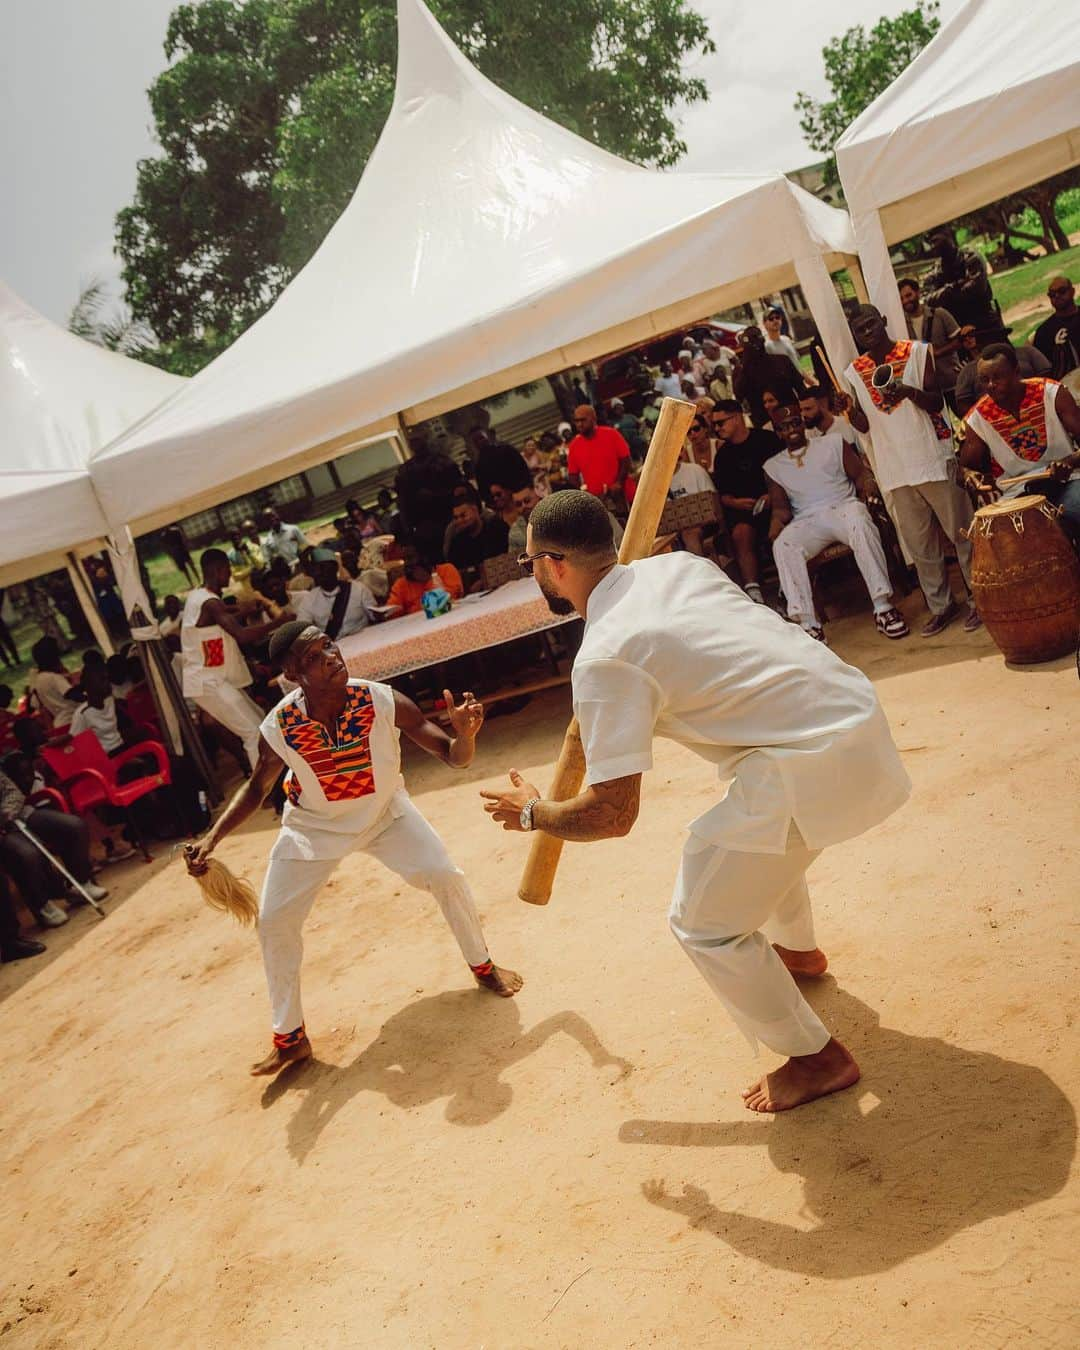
<point>526,813</point>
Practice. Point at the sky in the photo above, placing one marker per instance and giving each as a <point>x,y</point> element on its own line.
<point>75,119</point>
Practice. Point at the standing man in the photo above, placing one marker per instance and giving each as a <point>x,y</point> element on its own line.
<point>673,648</point>
<point>913,459</point>
<point>176,546</point>
<point>281,540</point>
<point>496,462</point>
<point>215,673</point>
<point>1024,426</point>
<point>340,740</point>
<point>598,458</point>
<point>739,477</point>
<point>939,329</point>
<point>425,486</point>
<point>960,283</point>
<point>777,343</point>
<point>759,370</point>
<point>1058,337</point>
<point>337,608</point>
<point>629,428</point>
<point>814,503</point>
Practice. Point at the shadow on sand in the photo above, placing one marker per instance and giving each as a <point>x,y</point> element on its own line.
<point>455,1045</point>
<point>956,1137</point>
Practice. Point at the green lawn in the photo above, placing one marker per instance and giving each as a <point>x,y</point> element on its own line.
<point>1018,287</point>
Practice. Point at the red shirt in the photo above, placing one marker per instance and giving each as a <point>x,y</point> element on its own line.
<point>596,458</point>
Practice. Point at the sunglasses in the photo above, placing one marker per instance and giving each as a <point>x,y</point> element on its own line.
<point>525,560</point>
<point>1059,290</point>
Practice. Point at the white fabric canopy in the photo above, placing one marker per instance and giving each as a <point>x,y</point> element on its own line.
<point>991,105</point>
<point>61,398</point>
<point>484,246</point>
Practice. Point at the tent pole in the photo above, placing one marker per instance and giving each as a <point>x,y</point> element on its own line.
<point>825,306</point>
<point>858,281</point>
<point>90,611</point>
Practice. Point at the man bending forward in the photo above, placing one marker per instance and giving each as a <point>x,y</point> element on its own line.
<point>339,740</point>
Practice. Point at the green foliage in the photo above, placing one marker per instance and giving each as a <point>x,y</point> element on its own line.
<point>269,110</point>
<point>859,65</point>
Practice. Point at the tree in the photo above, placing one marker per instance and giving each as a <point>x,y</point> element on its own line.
<point>115,330</point>
<point>269,109</point>
<point>859,66</point>
<point>1008,217</point>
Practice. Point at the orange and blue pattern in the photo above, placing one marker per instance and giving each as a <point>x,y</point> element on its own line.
<point>1025,434</point>
<point>343,765</point>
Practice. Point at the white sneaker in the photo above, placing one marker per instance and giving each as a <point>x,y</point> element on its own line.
<point>94,891</point>
<point>753,590</point>
<point>52,916</point>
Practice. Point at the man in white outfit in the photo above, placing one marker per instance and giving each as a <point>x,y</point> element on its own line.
<point>673,647</point>
<point>215,674</point>
<point>812,488</point>
<point>339,739</point>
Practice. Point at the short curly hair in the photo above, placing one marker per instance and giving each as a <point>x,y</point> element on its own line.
<point>573,521</point>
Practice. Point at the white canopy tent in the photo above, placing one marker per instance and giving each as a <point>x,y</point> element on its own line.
<point>61,398</point>
<point>991,104</point>
<point>484,246</point>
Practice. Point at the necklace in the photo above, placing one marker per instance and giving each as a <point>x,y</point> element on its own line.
<point>798,457</point>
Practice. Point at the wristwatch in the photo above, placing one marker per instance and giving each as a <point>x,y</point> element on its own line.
<point>526,813</point>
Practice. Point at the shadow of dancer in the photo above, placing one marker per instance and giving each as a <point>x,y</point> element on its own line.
<point>957,1137</point>
<point>455,1045</point>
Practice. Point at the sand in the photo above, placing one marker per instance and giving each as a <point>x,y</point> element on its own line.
<point>574,1167</point>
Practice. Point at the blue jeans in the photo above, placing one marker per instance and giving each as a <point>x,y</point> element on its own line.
<point>1065,495</point>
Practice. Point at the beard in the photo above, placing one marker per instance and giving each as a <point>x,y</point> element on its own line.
<point>558,604</point>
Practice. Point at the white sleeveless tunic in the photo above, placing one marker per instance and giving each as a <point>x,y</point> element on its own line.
<point>211,656</point>
<point>1038,428</point>
<point>341,785</point>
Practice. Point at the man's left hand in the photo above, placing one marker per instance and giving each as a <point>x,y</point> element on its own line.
<point>505,807</point>
<point>466,717</point>
<point>1061,470</point>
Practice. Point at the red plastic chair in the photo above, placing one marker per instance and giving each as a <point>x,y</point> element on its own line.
<point>89,775</point>
<point>50,796</point>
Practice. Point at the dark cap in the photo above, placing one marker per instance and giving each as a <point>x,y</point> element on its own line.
<point>282,639</point>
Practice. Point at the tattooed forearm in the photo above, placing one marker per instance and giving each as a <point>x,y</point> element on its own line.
<point>603,811</point>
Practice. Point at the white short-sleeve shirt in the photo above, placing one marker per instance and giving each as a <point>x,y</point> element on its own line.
<point>673,647</point>
<point>316,606</point>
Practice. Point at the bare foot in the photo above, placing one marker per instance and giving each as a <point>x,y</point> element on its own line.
<point>278,1058</point>
<point>803,963</point>
<point>505,983</point>
<point>803,1078</point>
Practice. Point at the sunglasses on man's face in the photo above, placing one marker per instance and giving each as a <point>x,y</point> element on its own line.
<point>1058,290</point>
<point>525,560</point>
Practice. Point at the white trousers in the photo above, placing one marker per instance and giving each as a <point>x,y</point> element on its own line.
<point>409,847</point>
<point>846,523</point>
<point>237,711</point>
<point>727,910</point>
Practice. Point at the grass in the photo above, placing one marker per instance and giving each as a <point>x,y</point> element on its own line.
<point>1019,286</point>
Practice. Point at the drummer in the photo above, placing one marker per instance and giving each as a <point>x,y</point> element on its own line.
<point>1025,427</point>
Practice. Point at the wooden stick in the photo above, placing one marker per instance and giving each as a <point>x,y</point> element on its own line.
<point>1035,477</point>
<point>825,362</point>
<point>637,541</point>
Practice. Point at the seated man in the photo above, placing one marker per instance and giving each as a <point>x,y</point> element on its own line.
<point>525,500</point>
<point>739,477</point>
<point>68,837</point>
<point>476,540</point>
<point>1030,361</point>
<point>812,486</point>
<point>407,592</point>
<point>1024,427</point>
<point>337,608</point>
<point>688,479</point>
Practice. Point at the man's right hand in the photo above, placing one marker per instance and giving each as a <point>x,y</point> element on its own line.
<point>196,856</point>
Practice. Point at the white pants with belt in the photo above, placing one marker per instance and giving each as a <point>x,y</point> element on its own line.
<point>410,848</point>
<point>846,523</point>
<point>237,711</point>
<point>728,909</point>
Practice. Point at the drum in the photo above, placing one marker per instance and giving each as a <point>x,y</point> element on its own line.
<point>1026,579</point>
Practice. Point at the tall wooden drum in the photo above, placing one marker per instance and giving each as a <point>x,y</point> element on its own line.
<point>1026,579</point>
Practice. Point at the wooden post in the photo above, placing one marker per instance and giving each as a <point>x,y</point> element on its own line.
<point>84,595</point>
<point>649,501</point>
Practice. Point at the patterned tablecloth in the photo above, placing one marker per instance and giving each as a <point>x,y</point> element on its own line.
<point>401,645</point>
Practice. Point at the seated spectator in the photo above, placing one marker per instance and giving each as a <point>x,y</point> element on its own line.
<point>100,713</point>
<point>814,503</point>
<point>598,458</point>
<point>684,368</point>
<point>815,405</point>
<point>739,477</point>
<point>64,835</point>
<point>239,553</point>
<point>629,428</point>
<point>169,626</point>
<point>776,341</point>
<point>119,672</point>
<point>1022,427</point>
<point>407,592</point>
<point>496,462</point>
<point>717,369</point>
<point>1058,337</point>
<point>51,683</point>
<point>1030,363</point>
<point>476,539</point>
<point>338,607</point>
<point>272,594</point>
<point>526,500</point>
<point>281,540</point>
<point>13,946</point>
<point>689,477</point>
<point>502,503</point>
<point>668,383</point>
<point>538,462</point>
<point>302,579</point>
<point>700,447</point>
<point>759,370</point>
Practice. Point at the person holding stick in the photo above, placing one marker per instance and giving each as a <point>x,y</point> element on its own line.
<point>673,647</point>
<point>339,740</point>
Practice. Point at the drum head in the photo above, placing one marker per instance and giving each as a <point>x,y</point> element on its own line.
<point>1009,506</point>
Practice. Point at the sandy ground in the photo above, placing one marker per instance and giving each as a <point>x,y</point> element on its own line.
<point>574,1168</point>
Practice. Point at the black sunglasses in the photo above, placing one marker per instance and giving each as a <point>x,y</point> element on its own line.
<point>525,560</point>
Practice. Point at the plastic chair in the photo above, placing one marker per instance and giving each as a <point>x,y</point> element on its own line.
<point>50,796</point>
<point>89,776</point>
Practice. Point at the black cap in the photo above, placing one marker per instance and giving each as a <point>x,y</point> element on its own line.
<point>282,639</point>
